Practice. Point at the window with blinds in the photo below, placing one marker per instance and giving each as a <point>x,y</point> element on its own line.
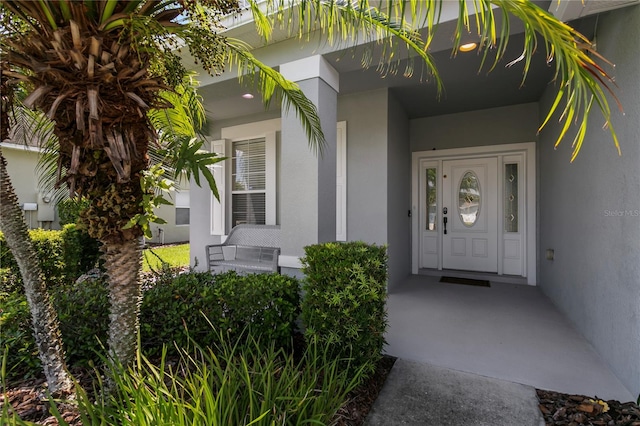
<point>248,175</point>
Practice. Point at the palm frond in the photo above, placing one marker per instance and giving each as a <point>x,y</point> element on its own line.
<point>581,81</point>
<point>273,84</point>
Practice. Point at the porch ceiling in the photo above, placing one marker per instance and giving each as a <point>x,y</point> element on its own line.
<point>466,87</point>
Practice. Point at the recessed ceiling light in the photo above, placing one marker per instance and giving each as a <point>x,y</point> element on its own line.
<point>468,47</point>
<point>247,96</point>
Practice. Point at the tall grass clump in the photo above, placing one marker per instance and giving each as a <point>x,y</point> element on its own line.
<point>228,384</point>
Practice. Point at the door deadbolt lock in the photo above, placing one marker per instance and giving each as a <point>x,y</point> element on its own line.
<point>444,210</point>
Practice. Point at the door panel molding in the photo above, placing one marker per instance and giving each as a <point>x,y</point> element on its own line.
<point>480,235</point>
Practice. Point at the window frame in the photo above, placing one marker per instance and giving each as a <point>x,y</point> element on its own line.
<point>221,213</point>
<point>180,204</point>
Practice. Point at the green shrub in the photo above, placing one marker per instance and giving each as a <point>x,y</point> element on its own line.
<point>344,302</point>
<point>265,304</point>
<point>83,313</point>
<point>63,257</point>
<point>172,304</point>
<point>69,210</point>
<point>16,337</point>
<point>81,252</point>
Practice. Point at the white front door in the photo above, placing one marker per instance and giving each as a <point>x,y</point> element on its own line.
<point>470,200</point>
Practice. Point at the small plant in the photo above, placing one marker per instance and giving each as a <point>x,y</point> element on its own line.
<point>344,302</point>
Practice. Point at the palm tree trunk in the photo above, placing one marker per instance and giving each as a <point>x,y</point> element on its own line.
<point>43,317</point>
<point>123,262</point>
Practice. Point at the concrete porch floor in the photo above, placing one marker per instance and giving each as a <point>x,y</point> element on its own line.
<point>507,331</point>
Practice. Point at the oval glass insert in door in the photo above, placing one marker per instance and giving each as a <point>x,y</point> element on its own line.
<point>469,199</point>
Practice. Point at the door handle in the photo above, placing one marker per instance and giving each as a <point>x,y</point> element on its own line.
<point>444,222</point>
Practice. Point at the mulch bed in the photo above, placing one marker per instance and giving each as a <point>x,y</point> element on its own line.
<point>574,410</point>
<point>558,409</point>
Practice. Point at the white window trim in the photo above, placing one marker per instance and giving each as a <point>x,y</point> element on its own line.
<point>220,220</point>
<point>341,181</point>
<point>220,217</point>
<point>218,206</point>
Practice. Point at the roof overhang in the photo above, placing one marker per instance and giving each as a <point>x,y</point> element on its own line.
<point>568,10</point>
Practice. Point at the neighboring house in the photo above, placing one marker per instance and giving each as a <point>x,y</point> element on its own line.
<point>40,209</point>
<point>397,157</point>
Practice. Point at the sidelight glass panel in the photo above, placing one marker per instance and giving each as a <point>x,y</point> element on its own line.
<point>511,197</point>
<point>469,199</point>
<point>431,197</point>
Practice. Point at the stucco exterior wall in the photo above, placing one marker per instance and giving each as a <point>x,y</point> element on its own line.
<point>399,193</point>
<point>590,214</point>
<point>21,167</point>
<point>494,126</point>
<point>367,185</point>
<point>171,233</point>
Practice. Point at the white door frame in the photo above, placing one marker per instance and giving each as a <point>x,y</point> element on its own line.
<point>527,151</point>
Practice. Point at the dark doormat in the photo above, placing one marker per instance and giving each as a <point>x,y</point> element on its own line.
<point>465,281</point>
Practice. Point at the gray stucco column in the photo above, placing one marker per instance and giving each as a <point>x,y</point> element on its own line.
<point>307,178</point>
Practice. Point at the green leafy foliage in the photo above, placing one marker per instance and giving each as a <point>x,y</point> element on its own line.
<point>48,247</point>
<point>153,185</point>
<point>81,252</point>
<point>265,305</point>
<point>344,302</point>
<point>63,256</point>
<point>171,305</point>
<point>83,313</point>
<point>184,308</point>
<point>69,209</point>
<point>228,384</point>
<point>16,337</point>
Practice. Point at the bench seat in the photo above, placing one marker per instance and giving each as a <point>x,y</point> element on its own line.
<point>248,248</point>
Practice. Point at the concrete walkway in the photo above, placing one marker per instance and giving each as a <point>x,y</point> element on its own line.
<point>506,336</point>
<point>425,395</point>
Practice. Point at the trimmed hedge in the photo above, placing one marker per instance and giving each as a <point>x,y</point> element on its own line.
<point>63,256</point>
<point>265,305</point>
<point>344,302</point>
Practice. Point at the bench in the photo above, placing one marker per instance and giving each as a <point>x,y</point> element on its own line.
<point>248,248</point>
